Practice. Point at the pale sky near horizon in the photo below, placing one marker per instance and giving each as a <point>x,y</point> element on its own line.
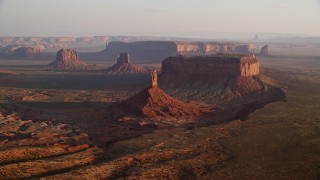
<point>157,17</point>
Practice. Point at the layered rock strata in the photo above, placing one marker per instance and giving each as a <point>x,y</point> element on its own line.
<point>217,77</point>
<point>217,65</point>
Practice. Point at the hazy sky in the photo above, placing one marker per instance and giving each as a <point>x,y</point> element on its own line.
<point>157,17</point>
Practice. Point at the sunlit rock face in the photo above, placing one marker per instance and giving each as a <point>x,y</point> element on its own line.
<point>213,77</point>
<point>216,65</point>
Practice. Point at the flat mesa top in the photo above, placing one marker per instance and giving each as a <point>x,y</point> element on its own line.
<point>232,58</point>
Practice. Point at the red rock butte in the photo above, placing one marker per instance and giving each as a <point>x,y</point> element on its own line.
<point>67,59</point>
<point>125,66</point>
<point>154,103</point>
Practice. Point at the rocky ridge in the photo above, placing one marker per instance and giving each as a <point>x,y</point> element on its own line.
<point>159,50</point>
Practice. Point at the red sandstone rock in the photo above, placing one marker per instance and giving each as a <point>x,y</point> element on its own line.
<point>124,66</point>
<point>67,59</point>
<point>211,77</point>
<point>152,102</point>
<point>217,65</point>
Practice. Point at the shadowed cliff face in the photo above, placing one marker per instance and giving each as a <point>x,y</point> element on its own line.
<point>21,52</point>
<point>264,51</point>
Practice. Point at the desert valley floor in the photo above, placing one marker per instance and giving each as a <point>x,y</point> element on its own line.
<point>61,125</point>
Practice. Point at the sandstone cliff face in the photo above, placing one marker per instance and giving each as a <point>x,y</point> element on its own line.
<point>159,50</point>
<point>67,59</point>
<point>217,65</point>
<point>211,77</point>
<point>67,55</point>
<point>207,48</point>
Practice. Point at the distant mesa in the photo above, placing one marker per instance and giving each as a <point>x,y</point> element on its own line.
<point>213,77</point>
<point>264,51</point>
<point>22,52</point>
<point>152,102</point>
<point>26,52</point>
<point>125,66</point>
<point>156,51</point>
<point>67,59</point>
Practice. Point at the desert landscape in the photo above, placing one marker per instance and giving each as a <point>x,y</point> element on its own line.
<point>56,123</point>
<point>159,106</point>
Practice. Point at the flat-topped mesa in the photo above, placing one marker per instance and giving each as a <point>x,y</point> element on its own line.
<point>219,65</point>
<point>67,59</point>
<point>25,52</point>
<point>21,52</point>
<point>158,50</point>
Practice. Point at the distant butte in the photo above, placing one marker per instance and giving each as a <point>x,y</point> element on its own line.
<point>125,66</point>
<point>67,59</point>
